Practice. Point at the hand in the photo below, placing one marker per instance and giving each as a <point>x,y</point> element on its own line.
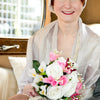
<point>19,97</point>
<point>28,90</point>
<point>37,98</point>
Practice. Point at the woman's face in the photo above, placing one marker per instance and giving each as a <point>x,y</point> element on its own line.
<point>68,10</point>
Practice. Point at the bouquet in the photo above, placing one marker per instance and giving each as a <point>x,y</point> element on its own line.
<point>58,80</point>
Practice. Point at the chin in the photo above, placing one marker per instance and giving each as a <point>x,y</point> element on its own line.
<point>69,20</point>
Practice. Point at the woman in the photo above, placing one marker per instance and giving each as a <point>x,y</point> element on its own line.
<point>69,35</point>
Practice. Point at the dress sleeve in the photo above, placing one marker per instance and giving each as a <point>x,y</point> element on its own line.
<point>92,71</point>
<point>97,89</point>
<point>96,92</point>
<point>25,79</point>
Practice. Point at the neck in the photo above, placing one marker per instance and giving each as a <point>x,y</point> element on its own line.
<point>68,29</point>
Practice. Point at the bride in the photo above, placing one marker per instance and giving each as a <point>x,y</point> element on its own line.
<point>71,36</point>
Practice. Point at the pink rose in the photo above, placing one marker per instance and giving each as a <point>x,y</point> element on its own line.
<point>63,80</point>
<point>79,87</point>
<point>50,80</point>
<point>54,83</point>
<point>62,64</point>
<point>53,56</point>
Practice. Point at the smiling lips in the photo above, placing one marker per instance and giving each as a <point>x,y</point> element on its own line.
<point>68,12</point>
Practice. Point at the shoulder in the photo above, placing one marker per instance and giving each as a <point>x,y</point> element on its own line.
<point>41,34</point>
<point>93,42</point>
<point>43,31</point>
<point>92,34</point>
<point>90,43</point>
<point>92,37</point>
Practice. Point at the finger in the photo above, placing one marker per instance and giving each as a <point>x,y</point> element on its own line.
<point>34,92</point>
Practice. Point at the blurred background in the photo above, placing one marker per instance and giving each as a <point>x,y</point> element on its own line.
<point>20,18</point>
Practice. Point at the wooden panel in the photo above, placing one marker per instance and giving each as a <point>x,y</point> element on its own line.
<point>13,51</point>
<point>91,13</point>
<point>48,14</point>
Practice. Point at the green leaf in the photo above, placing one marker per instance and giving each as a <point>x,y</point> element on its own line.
<point>65,98</point>
<point>36,65</point>
<point>44,73</point>
<point>40,83</point>
<point>51,62</point>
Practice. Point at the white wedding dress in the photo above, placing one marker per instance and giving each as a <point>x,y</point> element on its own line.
<point>88,59</point>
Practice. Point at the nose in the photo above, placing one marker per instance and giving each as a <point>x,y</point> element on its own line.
<point>67,4</point>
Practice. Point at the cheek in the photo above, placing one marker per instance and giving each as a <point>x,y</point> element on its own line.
<point>79,8</point>
<point>57,6</point>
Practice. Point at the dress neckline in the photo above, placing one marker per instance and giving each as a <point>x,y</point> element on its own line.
<point>76,45</point>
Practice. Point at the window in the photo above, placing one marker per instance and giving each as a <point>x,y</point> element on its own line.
<point>20,18</point>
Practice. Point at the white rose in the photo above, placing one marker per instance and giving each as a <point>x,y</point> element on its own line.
<point>54,70</point>
<point>54,92</point>
<point>61,59</point>
<point>70,87</point>
<point>73,76</point>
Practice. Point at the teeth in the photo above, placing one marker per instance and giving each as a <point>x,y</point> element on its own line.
<point>68,12</point>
